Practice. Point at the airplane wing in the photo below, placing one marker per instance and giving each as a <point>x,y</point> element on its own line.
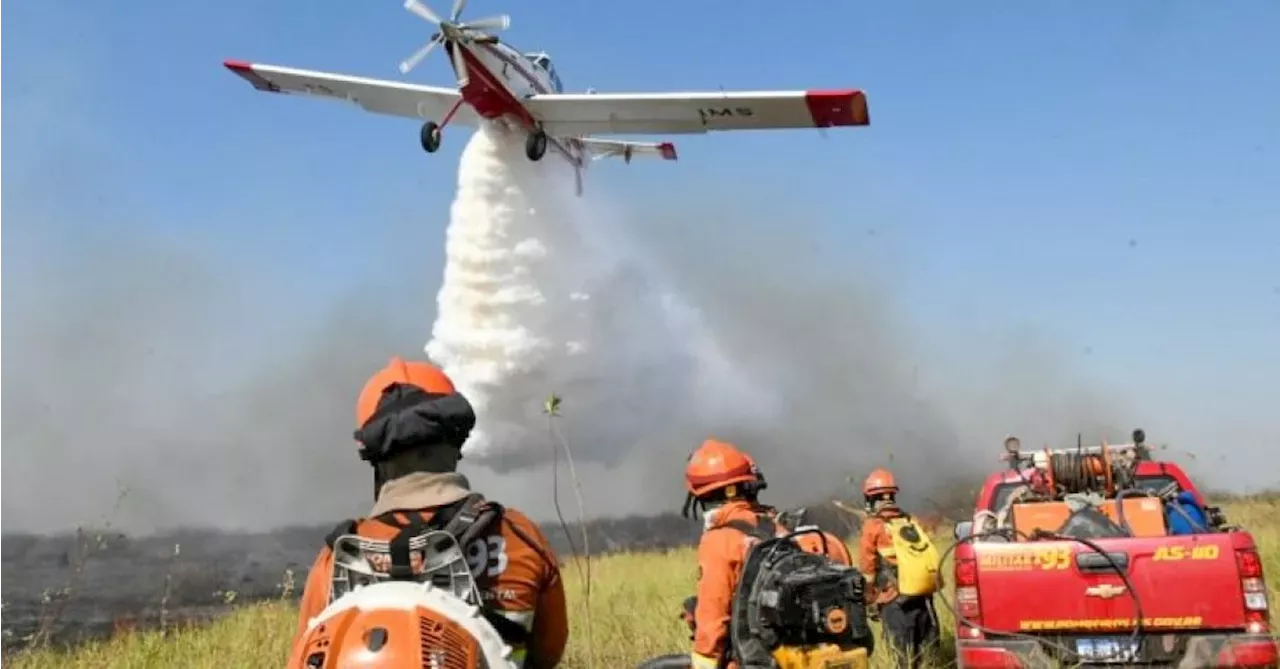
<point>609,148</point>
<point>666,113</point>
<point>375,95</point>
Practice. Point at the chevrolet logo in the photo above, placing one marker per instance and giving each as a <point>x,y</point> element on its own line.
<point>1105,591</point>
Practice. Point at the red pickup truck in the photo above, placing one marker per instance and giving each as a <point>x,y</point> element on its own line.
<point>1144,596</point>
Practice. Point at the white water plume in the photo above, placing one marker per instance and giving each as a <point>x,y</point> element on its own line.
<point>540,297</point>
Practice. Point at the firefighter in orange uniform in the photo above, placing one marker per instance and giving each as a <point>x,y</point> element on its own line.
<point>724,483</point>
<point>411,424</point>
<point>909,622</point>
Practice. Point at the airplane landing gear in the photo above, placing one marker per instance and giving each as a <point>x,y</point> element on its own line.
<point>430,136</point>
<point>431,131</point>
<point>535,146</point>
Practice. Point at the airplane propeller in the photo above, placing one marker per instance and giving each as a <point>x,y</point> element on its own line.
<point>452,30</point>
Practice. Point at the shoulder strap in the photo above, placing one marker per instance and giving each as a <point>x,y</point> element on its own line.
<point>401,561</point>
<point>399,544</point>
<point>464,519</point>
<point>746,643</point>
<point>345,527</point>
<point>762,530</point>
<point>898,521</point>
<point>471,517</point>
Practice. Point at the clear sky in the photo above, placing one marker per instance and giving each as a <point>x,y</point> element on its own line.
<point>1098,171</point>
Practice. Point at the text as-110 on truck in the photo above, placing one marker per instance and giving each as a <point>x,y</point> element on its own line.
<point>1101,555</point>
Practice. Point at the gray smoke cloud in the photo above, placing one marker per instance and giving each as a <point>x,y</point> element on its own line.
<point>821,341</point>
<point>140,364</point>
<point>141,361</point>
<point>142,355</point>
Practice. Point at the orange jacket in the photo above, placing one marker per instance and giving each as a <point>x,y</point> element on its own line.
<point>520,579</point>
<point>875,549</point>
<point>721,552</point>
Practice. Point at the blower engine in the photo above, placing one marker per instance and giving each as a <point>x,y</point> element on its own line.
<point>1104,468</point>
<point>400,623</point>
<point>429,618</point>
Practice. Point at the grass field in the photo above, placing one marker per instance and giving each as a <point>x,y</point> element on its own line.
<point>634,607</point>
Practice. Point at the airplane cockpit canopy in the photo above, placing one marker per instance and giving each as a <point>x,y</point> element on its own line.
<point>543,61</point>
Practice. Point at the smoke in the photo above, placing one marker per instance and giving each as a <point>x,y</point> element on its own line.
<point>139,368</point>
<point>154,378</point>
<point>824,347</point>
<point>659,340</point>
<point>539,297</point>
<point>202,385</point>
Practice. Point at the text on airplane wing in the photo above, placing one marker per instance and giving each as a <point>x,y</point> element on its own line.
<point>665,113</point>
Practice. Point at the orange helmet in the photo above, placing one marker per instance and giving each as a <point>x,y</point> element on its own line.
<point>717,464</point>
<point>423,375</point>
<point>390,625</point>
<point>879,482</point>
<point>407,404</point>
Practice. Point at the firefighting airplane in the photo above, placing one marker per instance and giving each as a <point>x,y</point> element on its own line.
<point>497,82</point>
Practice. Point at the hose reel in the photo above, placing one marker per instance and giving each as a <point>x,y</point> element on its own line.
<point>1102,469</point>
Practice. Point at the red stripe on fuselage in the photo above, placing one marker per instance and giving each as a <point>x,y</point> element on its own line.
<point>492,99</point>
<point>488,94</point>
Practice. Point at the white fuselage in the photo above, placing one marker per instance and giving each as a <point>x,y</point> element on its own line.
<point>521,74</point>
<point>498,81</point>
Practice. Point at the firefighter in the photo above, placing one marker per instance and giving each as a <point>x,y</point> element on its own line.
<point>724,483</point>
<point>411,424</point>
<point>908,620</point>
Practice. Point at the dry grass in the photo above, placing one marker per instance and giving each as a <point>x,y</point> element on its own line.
<point>634,608</point>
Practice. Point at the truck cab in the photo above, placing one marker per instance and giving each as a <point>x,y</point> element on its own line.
<point>1070,559</point>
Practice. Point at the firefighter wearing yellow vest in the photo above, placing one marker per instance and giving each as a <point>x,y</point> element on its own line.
<point>900,564</point>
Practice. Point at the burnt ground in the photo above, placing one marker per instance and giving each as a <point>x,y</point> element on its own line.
<point>69,588</point>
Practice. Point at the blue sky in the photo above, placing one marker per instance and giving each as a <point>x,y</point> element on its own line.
<point>1093,170</point>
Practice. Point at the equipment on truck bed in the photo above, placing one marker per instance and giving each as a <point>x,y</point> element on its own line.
<point>1138,517</point>
<point>1105,474</point>
<point>1103,468</point>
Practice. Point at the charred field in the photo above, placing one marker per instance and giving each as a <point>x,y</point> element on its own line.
<point>69,588</point>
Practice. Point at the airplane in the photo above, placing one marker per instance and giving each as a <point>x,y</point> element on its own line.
<point>497,82</point>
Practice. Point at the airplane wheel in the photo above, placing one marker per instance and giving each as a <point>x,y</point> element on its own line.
<point>536,145</point>
<point>430,136</point>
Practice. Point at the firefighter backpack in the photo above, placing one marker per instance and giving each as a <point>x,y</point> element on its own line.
<point>917,557</point>
<point>794,609</point>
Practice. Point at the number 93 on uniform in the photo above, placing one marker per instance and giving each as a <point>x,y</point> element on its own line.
<point>487,556</point>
